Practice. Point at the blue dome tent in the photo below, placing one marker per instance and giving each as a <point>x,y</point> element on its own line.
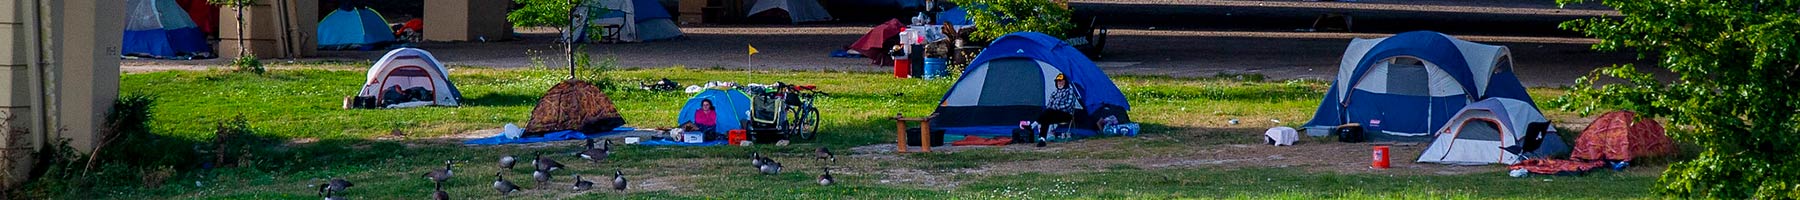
<point>1013,78</point>
<point>732,106</point>
<point>354,28</point>
<point>1412,83</point>
<point>160,29</point>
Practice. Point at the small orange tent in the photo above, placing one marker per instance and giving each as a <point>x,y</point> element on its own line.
<point>1621,136</point>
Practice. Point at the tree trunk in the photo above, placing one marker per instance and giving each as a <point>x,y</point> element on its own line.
<point>242,50</point>
<point>569,44</point>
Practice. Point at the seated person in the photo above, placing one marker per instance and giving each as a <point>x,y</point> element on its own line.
<point>706,119</point>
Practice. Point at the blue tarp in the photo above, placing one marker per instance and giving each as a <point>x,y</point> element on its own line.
<point>732,106</point>
<point>359,26</point>
<point>547,137</point>
<point>954,16</point>
<point>681,144</point>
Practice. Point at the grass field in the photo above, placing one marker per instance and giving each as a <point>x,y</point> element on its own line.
<point>1185,119</point>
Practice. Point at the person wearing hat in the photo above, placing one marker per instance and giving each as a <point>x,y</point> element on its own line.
<point>1062,106</point>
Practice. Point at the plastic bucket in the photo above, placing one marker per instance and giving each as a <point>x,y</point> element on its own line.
<point>934,67</point>
<point>902,67</point>
<point>1380,158</point>
<point>737,136</point>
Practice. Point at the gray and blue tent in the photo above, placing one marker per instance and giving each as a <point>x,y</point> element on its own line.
<point>1413,82</point>
<point>351,27</point>
<point>1012,80</point>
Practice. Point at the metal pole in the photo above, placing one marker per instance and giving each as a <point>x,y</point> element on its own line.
<point>35,65</point>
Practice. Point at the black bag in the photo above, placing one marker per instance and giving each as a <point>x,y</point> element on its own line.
<point>1023,135</point>
<point>1350,134</point>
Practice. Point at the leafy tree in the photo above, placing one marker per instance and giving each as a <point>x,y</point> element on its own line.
<point>995,18</point>
<point>1735,98</point>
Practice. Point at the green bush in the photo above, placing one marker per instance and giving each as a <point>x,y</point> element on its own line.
<point>995,18</point>
<point>1735,100</point>
<point>248,64</point>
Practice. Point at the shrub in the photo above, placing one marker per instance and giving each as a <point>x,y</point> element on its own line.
<point>995,18</point>
<point>248,64</point>
<point>1735,99</point>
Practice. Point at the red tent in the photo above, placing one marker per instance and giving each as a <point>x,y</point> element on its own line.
<point>1620,135</point>
<point>205,15</point>
<point>875,44</point>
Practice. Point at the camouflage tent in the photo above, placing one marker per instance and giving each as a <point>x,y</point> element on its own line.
<point>574,105</point>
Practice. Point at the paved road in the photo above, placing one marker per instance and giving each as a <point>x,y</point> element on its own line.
<point>1269,46</point>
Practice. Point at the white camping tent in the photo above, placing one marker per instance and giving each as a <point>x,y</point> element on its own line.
<point>636,20</point>
<point>797,10</point>
<point>1491,131</point>
<point>404,72</point>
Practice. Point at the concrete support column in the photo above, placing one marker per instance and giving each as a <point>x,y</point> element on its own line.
<point>467,20</point>
<point>273,29</point>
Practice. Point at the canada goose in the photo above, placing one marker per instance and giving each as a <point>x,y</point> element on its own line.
<point>338,185</point>
<point>540,176</point>
<point>824,154</point>
<point>593,155</point>
<point>619,182</point>
<point>440,175</point>
<point>825,179</point>
<point>323,192</point>
<point>545,164</point>
<point>440,194</point>
<point>503,186</point>
<point>507,161</point>
<point>582,185</point>
<point>770,167</point>
<point>589,144</point>
<point>756,160</point>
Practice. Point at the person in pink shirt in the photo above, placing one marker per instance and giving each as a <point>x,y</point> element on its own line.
<point>706,118</point>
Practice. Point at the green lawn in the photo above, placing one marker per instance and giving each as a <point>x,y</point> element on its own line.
<point>1180,115</point>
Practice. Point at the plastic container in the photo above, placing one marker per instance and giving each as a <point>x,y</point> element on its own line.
<point>934,67</point>
<point>693,137</point>
<point>737,136</point>
<point>902,67</point>
<point>633,140</point>
<point>1380,158</point>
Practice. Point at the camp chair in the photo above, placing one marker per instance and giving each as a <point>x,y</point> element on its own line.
<point>1534,138</point>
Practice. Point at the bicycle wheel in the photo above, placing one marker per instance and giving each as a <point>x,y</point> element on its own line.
<point>809,123</point>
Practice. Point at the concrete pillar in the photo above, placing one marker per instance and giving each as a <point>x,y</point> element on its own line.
<point>59,66</point>
<point>467,20</point>
<point>273,29</point>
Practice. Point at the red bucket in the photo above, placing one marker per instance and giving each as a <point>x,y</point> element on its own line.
<point>1380,158</point>
<point>736,136</point>
<point>902,68</point>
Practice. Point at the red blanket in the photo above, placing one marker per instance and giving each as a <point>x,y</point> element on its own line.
<point>978,141</point>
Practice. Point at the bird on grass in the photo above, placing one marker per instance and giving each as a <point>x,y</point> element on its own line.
<point>824,154</point>
<point>507,161</point>
<point>541,176</point>
<point>619,182</point>
<point>582,185</point>
<point>327,194</point>
<point>503,186</point>
<point>593,155</point>
<point>440,175</point>
<point>826,179</point>
<point>756,160</point>
<point>542,163</point>
<point>338,185</point>
<point>440,194</point>
<point>770,167</point>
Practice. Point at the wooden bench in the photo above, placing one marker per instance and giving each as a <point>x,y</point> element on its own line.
<point>924,130</point>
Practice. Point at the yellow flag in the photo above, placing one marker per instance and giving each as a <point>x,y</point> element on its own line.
<point>752,49</point>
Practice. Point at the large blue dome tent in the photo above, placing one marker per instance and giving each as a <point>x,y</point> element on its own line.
<point>1412,83</point>
<point>1013,78</point>
<point>160,29</point>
